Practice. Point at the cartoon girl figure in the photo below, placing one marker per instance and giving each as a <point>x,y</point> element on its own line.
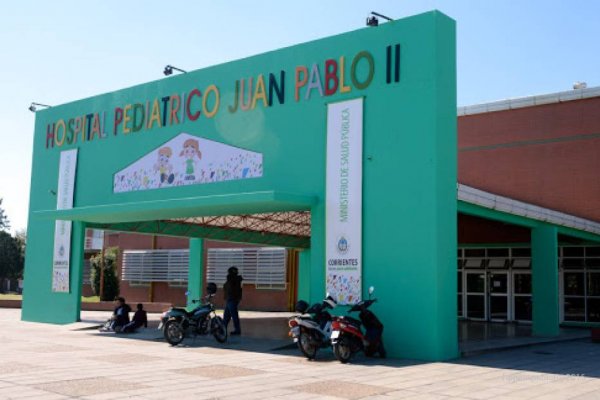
<point>163,166</point>
<point>191,150</point>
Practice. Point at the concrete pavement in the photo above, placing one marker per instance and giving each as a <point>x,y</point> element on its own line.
<point>40,361</point>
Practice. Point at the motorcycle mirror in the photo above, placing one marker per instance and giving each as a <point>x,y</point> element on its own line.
<point>371,290</point>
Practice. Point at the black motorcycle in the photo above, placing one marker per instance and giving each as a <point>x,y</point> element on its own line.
<point>311,329</point>
<point>347,337</point>
<point>202,320</point>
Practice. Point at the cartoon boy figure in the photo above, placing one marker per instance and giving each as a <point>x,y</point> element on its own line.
<point>163,166</point>
<point>191,150</point>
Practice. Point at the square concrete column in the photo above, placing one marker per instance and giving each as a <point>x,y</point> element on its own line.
<point>195,270</point>
<point>544,275</point>
<point>304,275</point>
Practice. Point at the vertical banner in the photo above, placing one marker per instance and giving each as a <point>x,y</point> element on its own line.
<point>343,229</point>
<point>62,230</point>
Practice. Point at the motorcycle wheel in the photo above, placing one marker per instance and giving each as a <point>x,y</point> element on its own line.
<point>218,329</point>
<point>174,333</point>
<point>306,347</point>
<point>342,351</point>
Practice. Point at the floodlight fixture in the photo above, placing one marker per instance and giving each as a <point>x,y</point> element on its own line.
<point>373,21</point>
<point>34,106</point>
<point>169,70</point>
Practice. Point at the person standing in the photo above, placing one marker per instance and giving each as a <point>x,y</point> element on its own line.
<point>233,295</point>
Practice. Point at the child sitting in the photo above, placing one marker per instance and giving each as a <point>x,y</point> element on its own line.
<point>139,318</point>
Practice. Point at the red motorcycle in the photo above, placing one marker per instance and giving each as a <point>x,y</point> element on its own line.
<point>347,337</point>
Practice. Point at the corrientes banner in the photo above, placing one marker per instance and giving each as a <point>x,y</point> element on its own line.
<point>343,235</point>
<point>62,230</point>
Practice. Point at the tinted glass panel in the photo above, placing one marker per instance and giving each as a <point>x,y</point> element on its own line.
<point>592,251</point>
<point>593,284</point>
<point>459,281</point>
<point>497,253</point>
<point>476,283</point>
<point>573,262</point>
<point>498,307</point>
<point>574,309</point>
<point>522,283</point>
<point>475,253</point>
<point>573,284</point>
<point>521,252</point>
<point>523,308</point>
<point>592,263</point>
<point>593,309</point>
<point>573,251</point>
<point>475,306</point>
<point>460,305</point>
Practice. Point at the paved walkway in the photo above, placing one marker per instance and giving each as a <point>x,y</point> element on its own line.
<point>40,361</point>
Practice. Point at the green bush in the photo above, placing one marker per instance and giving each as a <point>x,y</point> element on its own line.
<point>111,280</point>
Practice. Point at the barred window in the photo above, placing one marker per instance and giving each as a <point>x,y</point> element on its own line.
<point>263,266</point>
<point>155,265</point>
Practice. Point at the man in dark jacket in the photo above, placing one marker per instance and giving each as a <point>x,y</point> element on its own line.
<point>233,295</point>
<point>120,316</point>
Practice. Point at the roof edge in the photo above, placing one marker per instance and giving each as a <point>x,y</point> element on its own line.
<point>529,101</point>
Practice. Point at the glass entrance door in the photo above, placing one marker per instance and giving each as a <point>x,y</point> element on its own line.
<point>522,306</point>
<point>476,295</point>
<point>498,295</point>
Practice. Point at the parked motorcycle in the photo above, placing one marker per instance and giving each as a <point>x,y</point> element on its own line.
<point>347,337</point>
<point>202,320</point>
<point>311,329</point>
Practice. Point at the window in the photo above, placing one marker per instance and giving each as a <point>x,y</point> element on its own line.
<point>155,266</point>
<point>581,283</point>
<point>264,267</point>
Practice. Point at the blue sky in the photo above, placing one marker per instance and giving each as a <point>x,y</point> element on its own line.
<point>60,51</point>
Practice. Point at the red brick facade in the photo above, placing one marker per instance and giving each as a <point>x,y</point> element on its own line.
<point>547,155</point>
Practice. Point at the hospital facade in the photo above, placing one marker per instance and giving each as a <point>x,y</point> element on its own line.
<point>334,166</point>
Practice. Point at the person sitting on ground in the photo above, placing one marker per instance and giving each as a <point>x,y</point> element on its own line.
<point>139,318</point>
<point>120,316</point>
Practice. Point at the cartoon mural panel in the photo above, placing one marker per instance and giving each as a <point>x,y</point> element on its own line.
<point>188,160</point>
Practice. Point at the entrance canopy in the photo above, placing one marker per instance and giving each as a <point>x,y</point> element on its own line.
<point>273,218</point>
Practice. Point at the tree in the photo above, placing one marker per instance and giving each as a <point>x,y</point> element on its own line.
<point>11,258</point>
<point>4,224</point>
<point>111,280</point>
<point>21,238</point>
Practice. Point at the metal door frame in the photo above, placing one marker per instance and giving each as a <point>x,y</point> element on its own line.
<point>489,274</point>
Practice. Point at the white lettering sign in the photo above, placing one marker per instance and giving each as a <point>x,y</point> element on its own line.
<point>62,230</point>
<point>343,234</point>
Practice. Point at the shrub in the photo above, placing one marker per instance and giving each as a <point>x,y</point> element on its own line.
<point>111,280</point>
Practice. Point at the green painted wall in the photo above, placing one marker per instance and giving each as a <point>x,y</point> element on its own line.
<point>409,175</point>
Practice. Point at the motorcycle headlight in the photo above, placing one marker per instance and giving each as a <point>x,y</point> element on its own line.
<point>292,323</point>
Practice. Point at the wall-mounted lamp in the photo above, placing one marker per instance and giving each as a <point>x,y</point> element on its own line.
<point>169,70</point>
<point>33,107</point>
<point>373,21</point>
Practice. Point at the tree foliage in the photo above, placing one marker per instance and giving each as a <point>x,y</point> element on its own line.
<point>11,257</point>
<point>4,224</point>
<point>111,280</point>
